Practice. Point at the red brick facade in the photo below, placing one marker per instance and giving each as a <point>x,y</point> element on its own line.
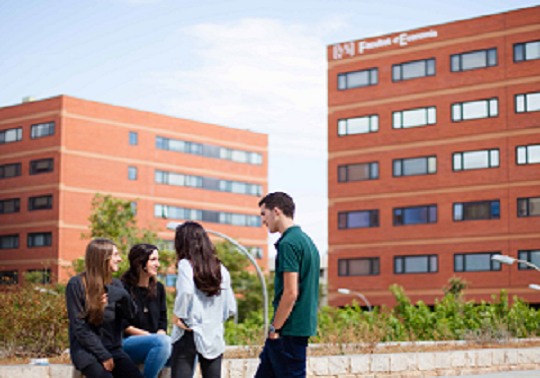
<point>505,183</point>
<point>92,153</point>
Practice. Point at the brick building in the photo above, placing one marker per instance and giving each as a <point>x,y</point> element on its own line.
<point>57,153</point>
<point>434,145</point>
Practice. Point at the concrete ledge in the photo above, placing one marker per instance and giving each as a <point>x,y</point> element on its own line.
<point>351,366</point>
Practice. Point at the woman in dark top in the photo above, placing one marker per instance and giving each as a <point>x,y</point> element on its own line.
<point>146,339</point>
<point>97,305</point>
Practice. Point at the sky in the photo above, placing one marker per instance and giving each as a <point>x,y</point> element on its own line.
<point>256,65</point>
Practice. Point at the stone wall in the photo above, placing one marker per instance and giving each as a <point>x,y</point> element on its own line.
<point>352,366</point>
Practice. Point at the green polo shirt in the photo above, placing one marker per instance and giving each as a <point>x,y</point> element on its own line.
<point>296,252</point>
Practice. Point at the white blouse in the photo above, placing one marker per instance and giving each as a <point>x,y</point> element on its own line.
<point>203,314</point>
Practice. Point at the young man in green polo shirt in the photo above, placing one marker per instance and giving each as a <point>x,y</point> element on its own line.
<point>296,292</point>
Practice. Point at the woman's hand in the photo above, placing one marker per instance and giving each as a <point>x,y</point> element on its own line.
<point>180,323</point>
<point>108,364</point>
<point>105,299</point>
<point>161,332</point>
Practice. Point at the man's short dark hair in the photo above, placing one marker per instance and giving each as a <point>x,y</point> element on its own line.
<point>281,200</point>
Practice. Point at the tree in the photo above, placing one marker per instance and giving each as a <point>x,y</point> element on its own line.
<point>115,219</point>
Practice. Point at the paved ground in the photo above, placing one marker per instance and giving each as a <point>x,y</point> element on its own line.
<point>509,374</point>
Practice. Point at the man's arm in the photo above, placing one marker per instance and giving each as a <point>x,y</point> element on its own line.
<point>287,301</point>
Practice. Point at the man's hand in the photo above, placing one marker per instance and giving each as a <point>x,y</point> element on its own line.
<point>273,335</point>
<point>108,364</point>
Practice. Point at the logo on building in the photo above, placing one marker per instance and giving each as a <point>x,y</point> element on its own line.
<point>347,49</point>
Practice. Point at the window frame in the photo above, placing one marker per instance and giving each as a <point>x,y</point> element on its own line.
<point>250,219</point>
<point>492,262</point>
<point>527,199</point>
<point>16,205</point>
<point>46,235</point>
<point>31,205</point>
<point>133,173</point>
<point>411,158</point>
<point>394,80</point>
<point>373,213</point>
<point>462,153</point>
<point>46,275</point>
<point>18,132</point>
<point>527,258</point>
<point>33,163</point>
<point>460,55</point>
<point>488,100</point>
<point>395,224</point>
<point>18,169</point>
<point>15,277</point>
<point>475,203</point>
<point>404,257</point>
<point>523,46</point>
<point>524,102</point>
<point>374,262</point>
<point>372,128</point>
<point>369,73</point>
<point>133,138</point>
<point>526,146</point>
<point>16,238</point>
<point>51,129</point>
<point>371,168</point>
<point>400,112</point>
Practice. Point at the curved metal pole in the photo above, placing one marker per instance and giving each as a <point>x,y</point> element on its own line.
<point>529,264</point>
<point>243,250</point>
<point>364,298</point>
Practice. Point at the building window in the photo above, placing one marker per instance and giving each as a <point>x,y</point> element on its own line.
<point>40,239</point>
<point>528,154</point>
<point>40,203</point>
<point>9,241</point>
<point>133,138</point>
<point>476,262</point>
<point>477,210</point>
<point>359,267</point>
<point>464,111</point>
<point>173,212</point>
<point>532,256</point>
<point>414,118</point>
<point>132,173</point>
<point>413,70</point>
<point>134,208</point>
<point>38,276</point>
<point>473,60</point>
<point>10,170</point>
<point>207,150</point>
<point>415,215</point>
<point>165,245</point>
<point>359,125</point>
<point>415,264</point>
<point>10,135</point>
<point>357,79</point>
<point>42,130</point>
<point>358,172</point>
<point>358,219</point>
<point>256,252</point>
<point>9,206</point>
<point>480,159</point>
<point>526,51</point>
<point>528,102</point>
<point>209,183</point>
<point>528,207</point>
<point>41,166</point>
<point>9,277</point>
<point>415,166</point>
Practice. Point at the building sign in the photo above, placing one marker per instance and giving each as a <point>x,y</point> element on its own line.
<point>348,49</point>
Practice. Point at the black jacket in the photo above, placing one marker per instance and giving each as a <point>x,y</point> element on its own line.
<point>152,312</point>
<point>88,342</point>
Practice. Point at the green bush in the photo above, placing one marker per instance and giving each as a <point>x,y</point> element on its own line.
<point>33,323</point>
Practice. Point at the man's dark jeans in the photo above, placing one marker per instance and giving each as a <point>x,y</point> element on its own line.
<point>283,357</point>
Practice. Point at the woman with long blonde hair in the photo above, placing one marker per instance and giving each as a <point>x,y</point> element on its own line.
<point>97,304</point>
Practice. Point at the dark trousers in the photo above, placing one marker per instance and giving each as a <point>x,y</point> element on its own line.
<point>183,360</point>
<point>283,358</point>
<point>123,367</point>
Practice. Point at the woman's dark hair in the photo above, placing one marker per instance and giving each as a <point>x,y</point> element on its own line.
<point>192,243</point>
<point>138,257</point>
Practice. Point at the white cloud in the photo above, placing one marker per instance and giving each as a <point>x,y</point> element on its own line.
<point>259,74</point>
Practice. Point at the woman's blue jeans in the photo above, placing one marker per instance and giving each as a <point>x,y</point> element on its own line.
<point>154,351</point>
